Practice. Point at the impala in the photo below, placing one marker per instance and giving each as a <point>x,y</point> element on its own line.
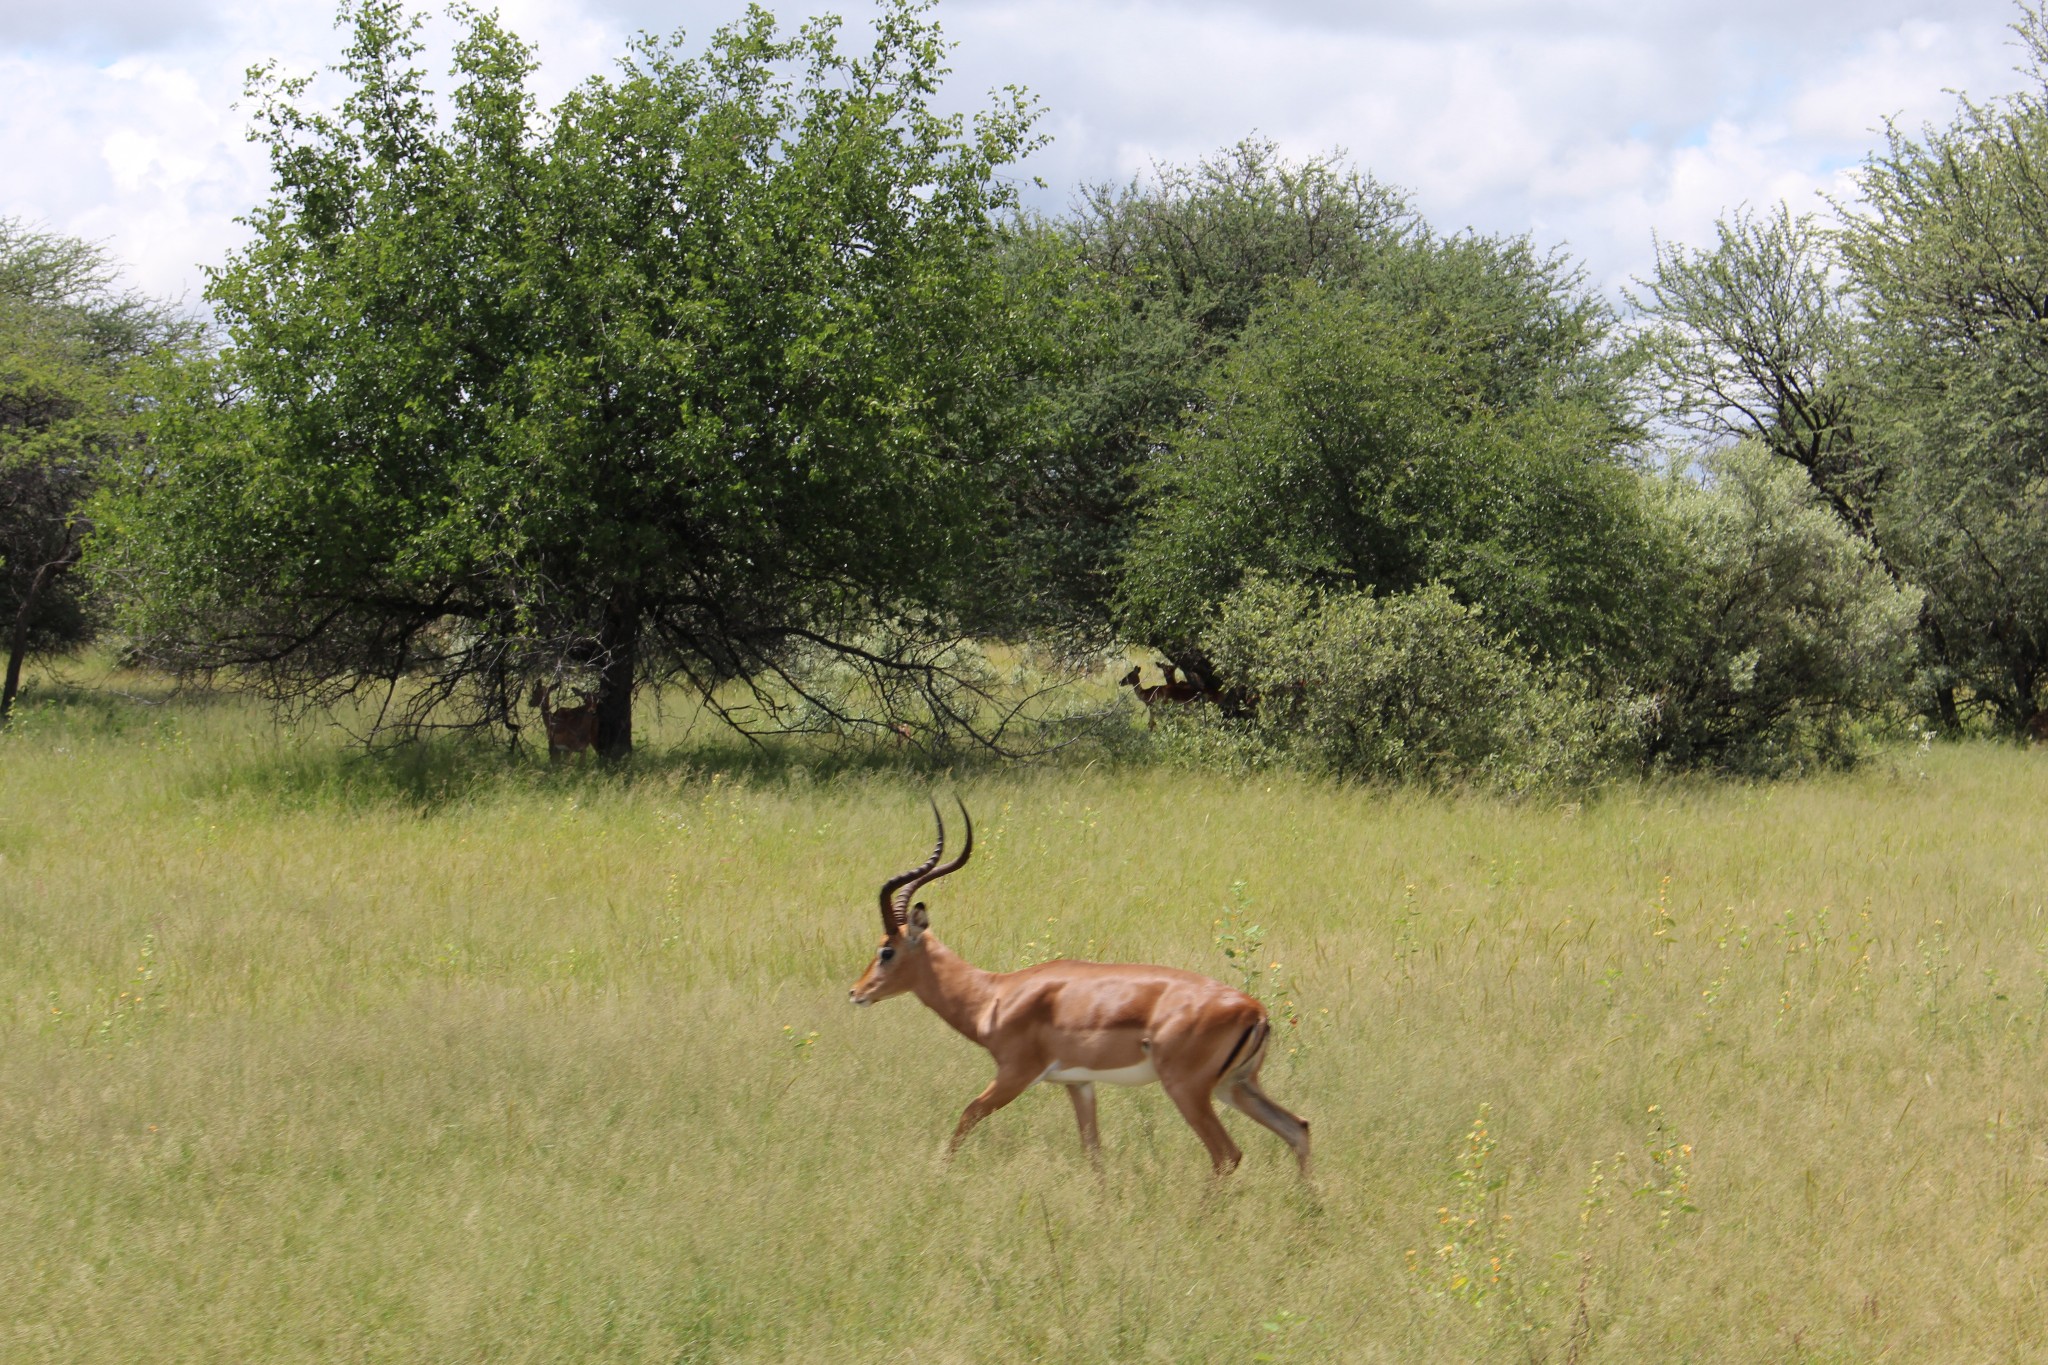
<point>1077,1023</point>
<point>1172,690</point>
<point>572,729</point>
<point>1192,688</point>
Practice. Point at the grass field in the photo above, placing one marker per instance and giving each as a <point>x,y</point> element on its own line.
<point>314,1057</point>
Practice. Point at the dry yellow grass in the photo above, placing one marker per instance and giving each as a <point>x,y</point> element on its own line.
<point>307,1058</point>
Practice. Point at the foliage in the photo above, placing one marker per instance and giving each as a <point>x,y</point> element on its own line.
<point>1208,243</point>
<point>1786,631</point>
<point>1160,276</point>
<point>1951,253</point>
<point>1898,363</point>
<point>68,336</point>
<point>1165,275</point>
<point>1353,441</point>
<point>1410,687</point>
<point>1757,339</point>
<point>685,379</point>
<point>1967,521</point>
<point>1242,941</point>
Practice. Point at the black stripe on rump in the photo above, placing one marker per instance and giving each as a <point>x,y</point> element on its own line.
<point>1237,1047</point>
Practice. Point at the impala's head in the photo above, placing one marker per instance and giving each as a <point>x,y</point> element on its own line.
<point>1129,679</point>
<point>900,955</point>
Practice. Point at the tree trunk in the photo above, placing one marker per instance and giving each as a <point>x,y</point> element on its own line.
<point>17,644</point>
<point>1945,712</point>
<point>2026,714</point>
<point>620,638</point>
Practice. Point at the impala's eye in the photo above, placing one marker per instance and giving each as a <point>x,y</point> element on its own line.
<point>886,954</point>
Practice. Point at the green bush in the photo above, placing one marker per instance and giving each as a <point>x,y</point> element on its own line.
<point>1789,639</point>
<point>1409,687</point>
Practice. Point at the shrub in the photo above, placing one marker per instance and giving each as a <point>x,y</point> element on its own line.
<point>1790,636</point>
<point>1409,687</point>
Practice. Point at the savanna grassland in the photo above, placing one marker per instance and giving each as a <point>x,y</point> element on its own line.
<point>311,1056</point>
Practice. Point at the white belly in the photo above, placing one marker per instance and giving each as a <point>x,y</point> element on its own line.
<point>1139,1073</point>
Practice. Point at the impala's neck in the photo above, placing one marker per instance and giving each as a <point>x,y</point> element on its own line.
<point>955,989</point>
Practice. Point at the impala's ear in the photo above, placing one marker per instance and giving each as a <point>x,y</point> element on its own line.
<point>919,922</point>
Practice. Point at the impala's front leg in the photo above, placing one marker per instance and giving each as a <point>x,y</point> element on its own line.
<point>1010,1082</point>
<point>1083,1096</point>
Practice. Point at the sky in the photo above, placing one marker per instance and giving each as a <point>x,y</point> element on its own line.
<point>1598,126</point>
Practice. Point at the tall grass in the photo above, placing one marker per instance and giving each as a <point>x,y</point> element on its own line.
<point>313,1057</point>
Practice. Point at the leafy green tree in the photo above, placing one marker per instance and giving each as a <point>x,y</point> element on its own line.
<point>1169,273</point>
<point>1159,276</point>
<point>1950,255</point>
<point>1356,441</point>
<point>1207,244</point>
<point>68,338</point>
<point>1764,339</point>
<point>1200,250</point>
<point>689,378</point>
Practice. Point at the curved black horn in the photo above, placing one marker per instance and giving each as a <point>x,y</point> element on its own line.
<point>928,873</point>
<point>892,913</point>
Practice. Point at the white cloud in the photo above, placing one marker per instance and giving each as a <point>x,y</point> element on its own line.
<point>121,25</point>
<point>1591,122</point>
<point>143,156</point>
<point>1905,73</point>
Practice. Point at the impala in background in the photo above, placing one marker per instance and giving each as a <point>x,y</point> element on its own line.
<point>1077,1023</point>
<point>572,729</point>
<point>1173,692</point>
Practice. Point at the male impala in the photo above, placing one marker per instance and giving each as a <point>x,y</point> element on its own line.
<point>1076,1023</point>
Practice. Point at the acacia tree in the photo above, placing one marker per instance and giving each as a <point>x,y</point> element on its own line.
<point>1763,338</point>
<point>1950,255</point>
<point>688,378</point>
<point>1757,339</point>
<point>68,337</point>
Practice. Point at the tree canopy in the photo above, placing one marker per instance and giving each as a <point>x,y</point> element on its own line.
<point>1899,360</point>
<point>1950,254</point>
<point>1158,278</point>
<point>69,338</point>
<point>685,379</point>
<point>1758,338</point>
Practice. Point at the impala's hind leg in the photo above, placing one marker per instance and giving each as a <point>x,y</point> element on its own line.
<point>1193,1102</point>
<point>1246,1098</point>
